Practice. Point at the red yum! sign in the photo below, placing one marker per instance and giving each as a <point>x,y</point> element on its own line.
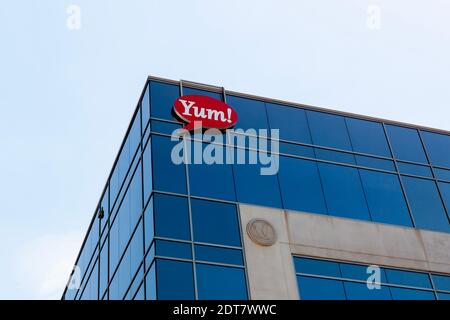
<point>212,113</point>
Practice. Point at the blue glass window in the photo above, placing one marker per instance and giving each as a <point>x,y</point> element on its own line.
<point>162,98</point>
<point>445,192</point>
<point>164,127</point>
<point>171,217</point>
<point>414,169</point>
<point>150,283</point>
<point>219,255</point>
<point>251,113</point>
<point>385,198</point>
<point>104,278</point>
<point>441,282</point>
<point>189,91</point>
<point>212,180</point>
<point>215,222</point>
<point>175,280</point>
<point>360,291</point>
<point>411,294</point>
<point>320,289</point>
<point>149,230</point>
<point>443,296</point>
<point>297,150</point>
<point>290,121</point>
<point>220,283</point>
<point>147,171</point>
<point>334,156</point>
<point>370,162</point>
<point>252,187</point>
<point>438,146</point>
<point>442,174</point>
<point>343,191</point>
<point>406,144</point>
<point>408,278</point>
<point>368,137</point>
<point>173,249</point>
<point>359,272</point>
<point>300,185</point>
<point>317,267</point>
<point>426,205</point>
<point>167,176</point>
<point>145,108</point>
<point>329,130</point>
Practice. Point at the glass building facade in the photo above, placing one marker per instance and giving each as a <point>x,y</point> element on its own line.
<point>160,232</point>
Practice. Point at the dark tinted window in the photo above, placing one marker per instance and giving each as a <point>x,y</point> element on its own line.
<point>174,280</point>
<point>411,294</point>
<point>426,205</point>
<point>220,255</point>
<point>290,121</point>
<point>329,130</point>
<point>343,191</point>
<point>251,113</point>
<point>162,98</point>
<point>438,146</point>
<point>171,217</point>
<point>385,198</point>
<point>167,176</point>
<point>217,282</point>
<point>406,144</point>
<point>408,278</point>
<point>318,267</point>
<point>215,222</point>
<point>368,137</point>
<point>359,291</point>
<point>320,289</point>
<point>173,249</point>
<point>300,185</point>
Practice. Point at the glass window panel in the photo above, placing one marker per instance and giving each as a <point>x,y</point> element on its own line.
<point>343,191</point>
<point>219,183</point>
<point>297,150</point>
<point>445,192</point>
<point>300,185</point>
<point>328,130</point>
<point>164,127</point>
<point>334,156</point>
<point>174,280</point>
<point>375,163</point>
<point>317,267</point>
<point>251,113</point>
<point>167,176</point>
<point>408,278</point>
<point>443,296</point>
<point>162,98</point>
<point>252,187</point>
<point>150,283</point>
<point>220,283</point>
<point>406,144</point>
<point>140,295</point>
<point>171,217</point>
<point>410,294</point>
<point>360,291</point>
<point>426,205</point>
<point>442,174</point>
<point>320,289</point>
<point>145,107</point>
<point>220,255</point>
<point>368,137</point>
<point>149,230</point>
<point>359,272</point>
<point>189,91</point>
<point>385,198</point>
<point>147,171</point>
<point>215,222</point>
<point>290,121</point>
<point>417,170</point>
<point>441,282</point>
<point>104,278</point>
<point>438,146</point>
<point>173,249</point>
<point>136,249</point>
<point>134,136</point>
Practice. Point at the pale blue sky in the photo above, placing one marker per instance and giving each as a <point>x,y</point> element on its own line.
<point>67,96</point>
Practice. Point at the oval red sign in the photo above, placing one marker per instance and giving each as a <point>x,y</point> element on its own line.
<point>212,113</point>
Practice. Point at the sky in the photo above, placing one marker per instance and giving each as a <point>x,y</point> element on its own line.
<point>70,80</point>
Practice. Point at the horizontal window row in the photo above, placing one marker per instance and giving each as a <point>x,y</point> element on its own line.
<point>318,128</point>
<point>310,186</point>
<point>324,279</point>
